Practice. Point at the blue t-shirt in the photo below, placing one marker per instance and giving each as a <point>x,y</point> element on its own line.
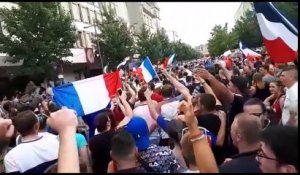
<point>162,122</point>
<point>80,141</point>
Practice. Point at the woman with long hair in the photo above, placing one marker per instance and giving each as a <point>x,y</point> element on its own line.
<point>276,100</point>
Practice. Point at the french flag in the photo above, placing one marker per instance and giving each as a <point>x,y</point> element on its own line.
<point>279,35</point>
<point>248,52</point>
<point>169,60</point>
<point>89,95</point>
<point>123,63</point>
<point>146,70</point>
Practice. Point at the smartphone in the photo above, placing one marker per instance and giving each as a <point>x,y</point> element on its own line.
<point>120,92</point>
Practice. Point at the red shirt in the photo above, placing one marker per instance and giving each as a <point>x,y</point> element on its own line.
<point>157,97</point>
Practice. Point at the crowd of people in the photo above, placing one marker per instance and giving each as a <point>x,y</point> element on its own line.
<point>201,116</point>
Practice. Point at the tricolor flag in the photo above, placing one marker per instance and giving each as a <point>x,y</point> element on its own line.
<point>89,95</point>
<point>146,70</point>
<point>279,35</point>
<point>169,60</point>
<point>248,52</point>
<point>123,63</point>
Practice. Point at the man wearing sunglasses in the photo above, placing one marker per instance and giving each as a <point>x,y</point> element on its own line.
<point>256,107</point>
<point>279,150</point>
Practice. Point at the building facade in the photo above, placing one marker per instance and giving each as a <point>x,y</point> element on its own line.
<point>147,13</point>
<point>244,6</point>
<point>83,14</point>
<point>202,48</point>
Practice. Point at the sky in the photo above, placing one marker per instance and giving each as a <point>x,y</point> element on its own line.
<point>193,21</point>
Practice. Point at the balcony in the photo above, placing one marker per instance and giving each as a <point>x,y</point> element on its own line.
<point>148,9</point>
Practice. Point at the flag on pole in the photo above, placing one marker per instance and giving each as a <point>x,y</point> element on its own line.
<point>169,60</point>
<point>246,51</point>
<point>279,35</point>
<point>146,70</point>
<point>89,95</point>
<point>123,63</point>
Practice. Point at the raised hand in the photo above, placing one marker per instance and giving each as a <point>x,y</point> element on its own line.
<point>189,116</point>
<point>7,129</point>
<point>62,121</point>
<point>203,73</point>
<point>148,94</point>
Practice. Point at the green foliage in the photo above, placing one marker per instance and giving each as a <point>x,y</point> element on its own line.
<point>184,51</point>
<point>221,40</point>
<point>148,44</point>
<point>37,33</point>
<point>115,40</point>
<point>247,30</point>
<point>157,46</point>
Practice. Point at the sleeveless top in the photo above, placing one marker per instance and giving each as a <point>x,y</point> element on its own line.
<point>277,109</point>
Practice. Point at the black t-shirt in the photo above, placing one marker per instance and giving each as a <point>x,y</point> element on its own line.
<point>235,108</point>
<point>100,146</point>
<point>212,123</point>
<point>241,163</point>
<point>262,93</point>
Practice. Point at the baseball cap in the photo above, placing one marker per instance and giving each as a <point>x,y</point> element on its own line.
<point>138,128</point>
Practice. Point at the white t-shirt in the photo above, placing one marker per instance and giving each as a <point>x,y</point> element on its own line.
<point>169,111</point>
<point>290,103</point>
<point>33,156</point>
<point>142,111</point>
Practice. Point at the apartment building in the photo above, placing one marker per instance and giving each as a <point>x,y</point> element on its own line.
<point>149,14</point>
<point>83,14</point>
<point>242,10</point>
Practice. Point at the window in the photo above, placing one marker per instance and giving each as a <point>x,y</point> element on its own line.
<point>85,15</point>
<point>84,39</point>
<point>80,41</point>
<point>89,40</point>
<point>76,12</point>
<point>99,17</point>
<point>65,6</point>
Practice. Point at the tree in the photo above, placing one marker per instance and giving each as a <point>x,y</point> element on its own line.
<point>247,30</point>
<point>184,51</point>
<point>37,33</point>
<point>164,42</point>
<point>221,40</point>
<point>148,44</point>
<point>115,40</point>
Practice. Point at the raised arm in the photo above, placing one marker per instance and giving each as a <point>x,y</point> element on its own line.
<point>221,91</point>
<point>180,87</point>
<point>127,111</point>
<point>205,159</point>
<point>221,132</point>
<point>208,89</point>
<point>64,122</point>
<point>151,106</point>
<point>132,93</point>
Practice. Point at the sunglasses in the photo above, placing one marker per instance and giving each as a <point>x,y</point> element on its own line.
<point>260,153</point>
